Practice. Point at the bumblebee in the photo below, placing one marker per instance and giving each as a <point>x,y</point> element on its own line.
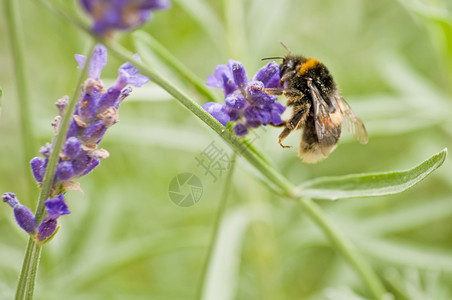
<point>317,107</point>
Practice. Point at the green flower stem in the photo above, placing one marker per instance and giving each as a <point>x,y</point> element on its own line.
<point>216,227</point>
<point>17,51</point>
<point>286,188</point>
<point>21,286</point>
<point>142,39</point>
<point>27,277</point>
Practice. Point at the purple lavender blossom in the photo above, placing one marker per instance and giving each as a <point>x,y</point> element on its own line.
<point>46,228</point>
<point>24,217</point>
<point>64,171</point>
<point>72,148</point>
<point>246,101</point>
<point>218,111</point>
<point>96,111</point>
<point>55,208</point>
<point>38,168</point>
<point>109,15</point>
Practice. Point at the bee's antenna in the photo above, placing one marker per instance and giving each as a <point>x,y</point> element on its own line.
<point>285,47</point>
<point>278,57</point>
<point>273,57</point>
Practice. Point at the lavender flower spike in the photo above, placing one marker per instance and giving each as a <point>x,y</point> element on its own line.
<point>246,101</point>
<point>95,112</point>
<point>120,15</point>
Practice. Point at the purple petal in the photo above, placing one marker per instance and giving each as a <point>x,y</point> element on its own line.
<point>73,129</point>
<point>256,116</point>
<point>235,100</point>
<point>72,147</point>
<point>87,5</point>
<point>88,106</point>
<point>64,171</point>
<point>240,129</point>
<point>56,207</point>
<point>264,117</point>
<point>238,73</point>
<point>250,113</point>
<point>278,107</point>
<point>218,111</point>
<point>94,132</point>
<point>79,163</point>
<point>276,110</point>
<point>81,60</point>
<point>25,218</point>
<point>257,95</point>
<point>233,113</point>
<point>275,119</point>
<point>269,75</point>
<point>100,27</point>
<point>222,78</point>
<point>128,74</point>
<point>47,228</point>
<point>253,123</point>
<point>109,99</point>
<point>11,199</point>
<point>216,79</point>
<point>98,62</point>
<point>136,80</point>
<point>38,168</point>
<point>122,15</point>
<point>92,163</point>
<point>143,16</point>
<point>46,150</point>
<point>156,4</point>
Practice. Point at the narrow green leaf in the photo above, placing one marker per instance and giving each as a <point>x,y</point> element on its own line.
<point>370,185</point>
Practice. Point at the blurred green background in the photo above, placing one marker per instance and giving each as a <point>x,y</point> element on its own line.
<point>125,239</point>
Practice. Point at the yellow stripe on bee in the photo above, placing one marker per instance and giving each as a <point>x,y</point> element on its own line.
<point>309,64</point>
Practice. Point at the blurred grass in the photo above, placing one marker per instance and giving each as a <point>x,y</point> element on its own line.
<point>126,239</point>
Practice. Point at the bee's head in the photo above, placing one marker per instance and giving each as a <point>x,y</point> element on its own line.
<point>290,63</point>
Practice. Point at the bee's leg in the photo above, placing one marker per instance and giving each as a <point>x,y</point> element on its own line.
<point>273,91</point>
<point>286,131</point>
<point>297,120</point>
<point>294,97</point>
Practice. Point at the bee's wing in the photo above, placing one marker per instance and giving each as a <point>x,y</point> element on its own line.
<point>352,122</point>
<point>327,125</point>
